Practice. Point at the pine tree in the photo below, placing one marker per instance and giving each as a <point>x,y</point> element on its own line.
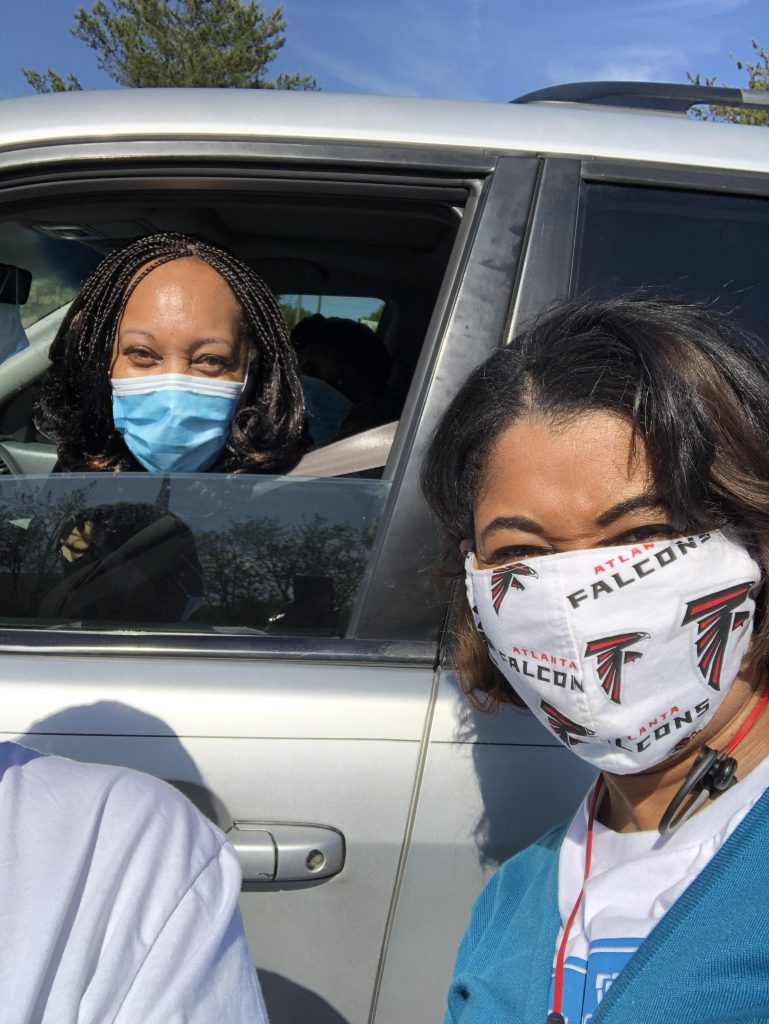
<point>155,43</point>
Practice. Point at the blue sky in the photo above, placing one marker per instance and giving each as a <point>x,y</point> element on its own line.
<point>466,49</point>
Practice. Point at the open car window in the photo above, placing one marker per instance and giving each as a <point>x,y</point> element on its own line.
<point>213,554</point>
<point>190,553</point>
<point>374,260</point>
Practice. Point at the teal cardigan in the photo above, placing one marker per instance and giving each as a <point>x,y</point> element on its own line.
<point>707,960</point>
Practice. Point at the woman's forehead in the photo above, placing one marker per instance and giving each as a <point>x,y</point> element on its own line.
<point>187,271</point>
<point>558,470</point>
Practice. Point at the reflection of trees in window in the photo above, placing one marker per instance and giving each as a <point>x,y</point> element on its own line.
<point>65,558</point>
<point>115,563</point>
<point>265,573</point>
<point>30,562</point>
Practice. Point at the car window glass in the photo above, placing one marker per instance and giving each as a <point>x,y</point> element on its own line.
<point>190,553</point>
<point>697,245</point>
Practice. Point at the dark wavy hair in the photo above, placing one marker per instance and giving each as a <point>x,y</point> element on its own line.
<point>74,406</point>
<point>691,381</point>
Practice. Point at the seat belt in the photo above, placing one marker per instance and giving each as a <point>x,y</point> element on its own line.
<point>367,450</point>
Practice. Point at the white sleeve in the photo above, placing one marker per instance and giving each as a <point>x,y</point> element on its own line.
<point>199,967</point>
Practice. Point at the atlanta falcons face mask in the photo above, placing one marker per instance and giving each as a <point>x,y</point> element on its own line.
<point>623,653</point>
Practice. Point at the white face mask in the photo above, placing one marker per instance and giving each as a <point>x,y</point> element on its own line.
<point>623,653</point>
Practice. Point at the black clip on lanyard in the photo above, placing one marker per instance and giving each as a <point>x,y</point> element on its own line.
<point>711,772</point>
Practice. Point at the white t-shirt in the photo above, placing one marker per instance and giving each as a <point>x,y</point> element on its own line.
<point>118,901</point>
<point>634,880</point>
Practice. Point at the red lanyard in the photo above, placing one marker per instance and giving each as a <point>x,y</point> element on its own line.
<point>556,1016</point>
<point>749,722</point>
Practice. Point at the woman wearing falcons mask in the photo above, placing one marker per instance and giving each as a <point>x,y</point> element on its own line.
<point>604,483</point>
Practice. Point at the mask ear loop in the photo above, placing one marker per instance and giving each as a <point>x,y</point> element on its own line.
<point>711,773</point>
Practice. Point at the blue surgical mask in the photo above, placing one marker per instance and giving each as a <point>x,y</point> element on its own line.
<point>326,408</point>
<point>172,422</point>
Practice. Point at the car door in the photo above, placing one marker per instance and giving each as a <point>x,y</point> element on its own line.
<point>290,693</point>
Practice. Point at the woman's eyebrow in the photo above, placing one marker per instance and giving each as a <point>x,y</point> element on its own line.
<point>213,340</point>
<point>640,503</point>
<point>511,523</point>
<point>137,330</point>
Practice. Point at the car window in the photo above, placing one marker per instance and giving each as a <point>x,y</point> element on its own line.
<point>57,262</point>
<point>697,245</point>
<point>191,553</point>
<point>215,553</point>
<point>361,309</point>
<point>375,260</point>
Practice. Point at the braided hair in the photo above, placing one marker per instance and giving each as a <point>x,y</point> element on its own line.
<point>74,407</point>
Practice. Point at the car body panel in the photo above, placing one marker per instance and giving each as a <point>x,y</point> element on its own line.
<point>491,784</point>
<point>310,743</point>
<point>563,129</point>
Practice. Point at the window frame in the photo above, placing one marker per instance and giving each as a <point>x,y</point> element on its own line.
<point>431,174</point>
<point>551,256</point>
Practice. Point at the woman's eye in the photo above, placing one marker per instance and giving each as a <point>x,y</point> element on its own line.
<point>140,355</point>
<point>519,553</point>
<point>658,531</point>
<point>211,362</point>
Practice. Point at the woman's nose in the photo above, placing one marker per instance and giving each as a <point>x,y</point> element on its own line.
<point>176,364</point>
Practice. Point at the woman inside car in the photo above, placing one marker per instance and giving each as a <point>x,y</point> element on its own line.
<point>604,485</point>
<point>173,358</point>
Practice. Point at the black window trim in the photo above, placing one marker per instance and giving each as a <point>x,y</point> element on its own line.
<point>471,326</point>
<point>667,176</point>
<point>546,268</point>
<point>549,262</point>
<point>543,276</point>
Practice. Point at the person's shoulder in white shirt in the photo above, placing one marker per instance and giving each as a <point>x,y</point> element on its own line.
<point>118,901</point>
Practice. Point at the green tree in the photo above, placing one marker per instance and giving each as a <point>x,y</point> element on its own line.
<point>758,78</point>
<point>157,43</point>
<point>375,315</point>
<point>292,313</point>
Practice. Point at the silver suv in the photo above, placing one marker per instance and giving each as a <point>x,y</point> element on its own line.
<point>272,645</point>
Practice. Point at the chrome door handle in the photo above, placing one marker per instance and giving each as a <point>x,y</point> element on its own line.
<point>275,852</point>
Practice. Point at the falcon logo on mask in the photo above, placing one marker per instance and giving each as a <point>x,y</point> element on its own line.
<point>504,578</point>
<point>716,617</point>
<point>563,727</point>
<point>611,653</point>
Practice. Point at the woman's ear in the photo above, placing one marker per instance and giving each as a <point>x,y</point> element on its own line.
<point>465,546</point>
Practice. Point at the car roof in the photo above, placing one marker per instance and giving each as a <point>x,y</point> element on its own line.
<point>265,114</point>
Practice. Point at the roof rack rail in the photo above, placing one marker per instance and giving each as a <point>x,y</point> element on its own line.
<point>671,97</point>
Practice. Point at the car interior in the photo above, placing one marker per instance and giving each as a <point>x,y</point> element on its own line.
<point>302,245</point>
